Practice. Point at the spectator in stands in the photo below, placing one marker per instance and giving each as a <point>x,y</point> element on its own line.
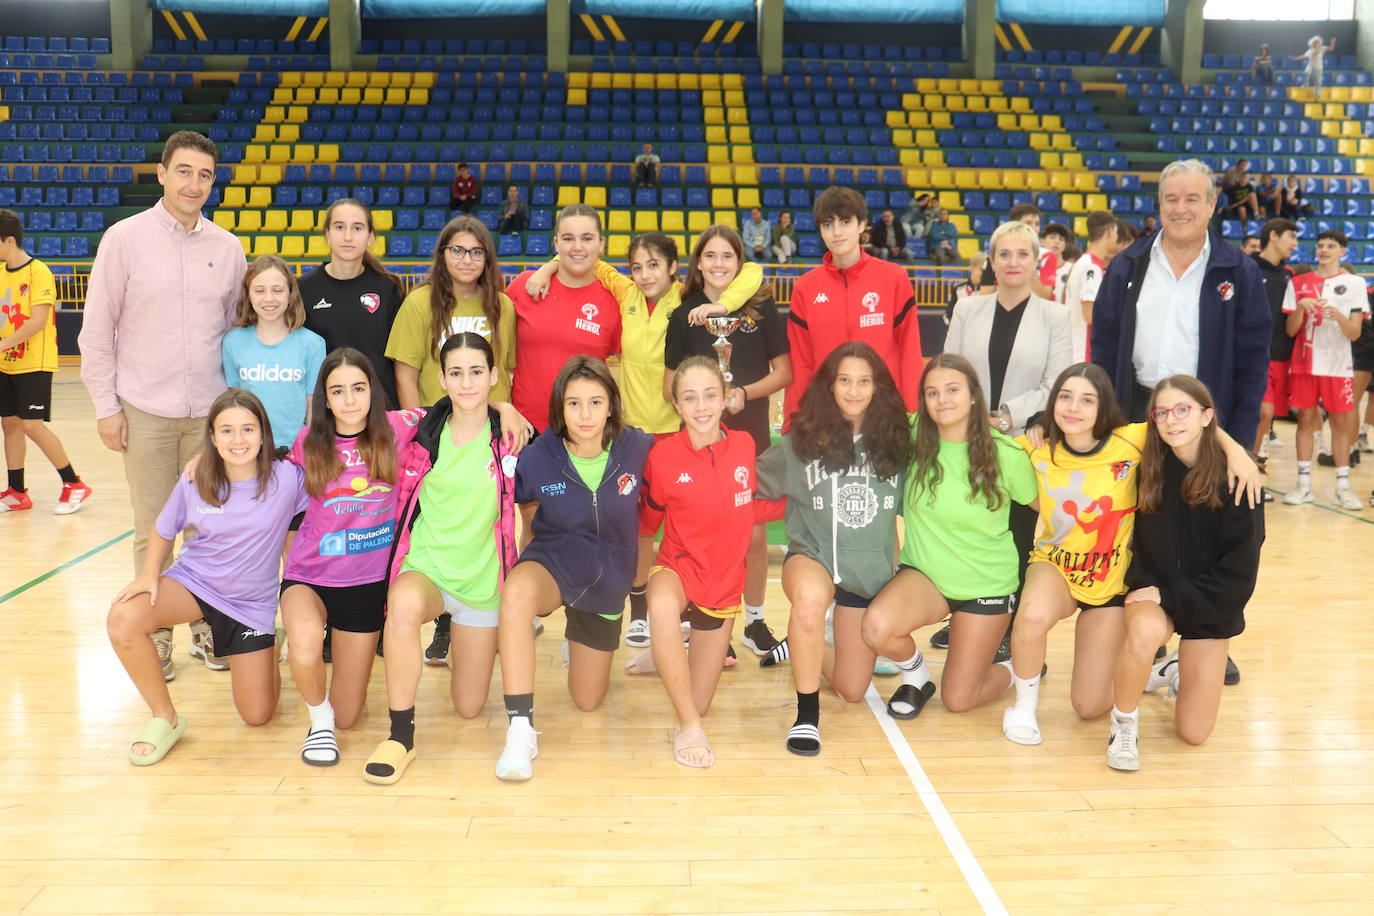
<point>1267,189</point>
<point>887,239</point>
<point>1315,56</point>
<point>1027,213</point>
<point>944,240</point>
<point>515,213</point>
<point>1293,207</point>
<point>1185,302</point>
<point>1250,245</point>
<point>758,235</point>
<point>646,167</point>
<point>920,213</point>
<point>1239,193</point>
<point>1084,280</point>
<point>1262,67</point>
<point>161,296</point>
<point>977,281</point>
<point>784,238</point>
<point>1150,225</point>
<point>463,194</point>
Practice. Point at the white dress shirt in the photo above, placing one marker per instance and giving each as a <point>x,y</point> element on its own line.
<point>1166,317</point>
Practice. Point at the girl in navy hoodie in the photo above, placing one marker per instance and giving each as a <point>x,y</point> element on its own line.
<point>584,474</point>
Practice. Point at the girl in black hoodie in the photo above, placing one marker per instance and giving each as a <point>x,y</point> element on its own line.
<point>1196,557</point>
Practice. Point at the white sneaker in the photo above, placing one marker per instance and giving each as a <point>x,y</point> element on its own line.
<point>1347,499</point>
<point>1272,440</point>
<point>203,647</point>
<point>522,746</point>
<point>1263,453</point>
<point>637,636</point>
<point>1302,493</point>
<point>1366,441</point>
<point>1123,747</point>
<point>1164,673</point>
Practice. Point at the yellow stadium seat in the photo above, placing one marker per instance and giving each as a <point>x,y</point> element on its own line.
<point>291,78</point>
<point>941,178</point>
<point>949,199</point>
<point>746,198</point>
<point>722,197</point>
<point>1366,147</point>
<point>909,156</point>
<point>742,154</point>
<point>579,79</point>
<point>283,153</point>
<point>925,139</point>
<point>417,97</point>
<point>712,98</point>
<point>281,96</point>
<point>382,220</point>
<point>672,221</point>
<point>1350,129</point>
<point>618,246</point>
<point>245,174</point>
<point>737,115</point>
<point>1072,203</point>
<point>358,78</point>
<point>1039,141</point>
<point>644,80</point>
<point>274,221</point>
<point>698,220</point>
<point>665,80</point>
<point>719,153</point>
<point>1095,201</point>
<point>1037,180</point>
<point>621,81</point>
<point>288,133</point>
<point>1020,103</point>
<point>925,84</point>
<point>312,78</point>
<point>965,178</point>
<point>977,103</point>
<point>739,133</point>
<point>1082,181</point>
<point>247,244</point>
<point>1075,161</point>
<point>249,220</point>
<point>646,221</point>
<point>969,247</point>
<point>933,102</point>
<point>734,98</point>
<point>378,247</point>
<point>1348,147</point>
<point>710,81</point>
<point>917,178</point>
<point>1361,94</point>
<point>960,221</point>
<point>350,96</point>
<point>265,244</point>
<point>327,152</point>
<point>401,79</point>
<point>260,196</point>
<point>903,138</point>
<point>293,246</point>
<point>941,120</point>
<point>990,180</point>
<point>718,174</point>
<point>746,175</point>
<point>317,247</point>
<point>896,119</point>
<point>1013,181</point>
<point>619,221</point>
<point>254,152</point>
<point>595,197</point>
<point>934,158</point>
<point>372,96</point>
<point>1334,111</point>
<point>713,115</point>
<point>1050,161</point>
<point>715,133</point>
<point>1007,121</point>
<point>727,218</point>
<point>577,97</point>
<point>999,103</point>
<point>303,221</point>
<point>1052,122</point>
<point>1061,141</point>
<point>234,197</point>
<point>224,219</point>
<point>689,81</point>
<point>334,78</point>
<point>568,195</point>
<point>394,97</point>
<point>269,174</point>
<point>306,95</point>
<point>265,133</point>
<point>1061,181</point>
<point>297,114</point>
<point>946,85</point>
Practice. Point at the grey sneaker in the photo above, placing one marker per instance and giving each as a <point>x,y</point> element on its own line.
<point>1123,747</point>
<point>162,639</point>
<point>203,647</point>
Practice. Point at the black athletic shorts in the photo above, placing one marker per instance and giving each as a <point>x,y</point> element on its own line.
<point>700,620</point>
<point>353,608</point>
<point>26,395</point>
<point>1118,601</point>
<point>592,630</point>
<point>843,596</point>
<point>232,637</point>
<point>1002,604</point>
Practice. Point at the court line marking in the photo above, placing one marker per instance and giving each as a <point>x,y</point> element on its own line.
<point>1335,510</point>
<point>949,831</point>
<point>14,593</point>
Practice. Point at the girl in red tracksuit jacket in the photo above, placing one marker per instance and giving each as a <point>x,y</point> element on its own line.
<point>454,545</point>
<point>699,482</point>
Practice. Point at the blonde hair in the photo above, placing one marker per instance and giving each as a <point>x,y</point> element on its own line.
<point>1014,229</point>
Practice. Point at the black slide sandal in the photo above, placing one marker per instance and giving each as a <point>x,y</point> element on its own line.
<point>913,696</point>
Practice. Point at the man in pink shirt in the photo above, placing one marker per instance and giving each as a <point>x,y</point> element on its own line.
<point>161,295</point>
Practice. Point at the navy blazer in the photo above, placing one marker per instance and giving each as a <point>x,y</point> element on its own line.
<point>1234,327</point>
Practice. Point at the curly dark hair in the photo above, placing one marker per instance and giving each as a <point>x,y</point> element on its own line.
<point>820,431</point>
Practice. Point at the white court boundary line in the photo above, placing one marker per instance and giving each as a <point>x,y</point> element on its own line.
<point>954,840</point>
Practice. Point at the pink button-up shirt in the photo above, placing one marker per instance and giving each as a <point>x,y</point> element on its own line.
<point>159,301</point>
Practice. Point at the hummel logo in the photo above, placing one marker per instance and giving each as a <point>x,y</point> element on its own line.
<point>684,477</point>
<point>820,297</point>
<point>322,304</point>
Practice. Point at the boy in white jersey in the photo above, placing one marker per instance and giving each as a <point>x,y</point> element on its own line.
<point>1324,316</point>
<point>1080,289</point>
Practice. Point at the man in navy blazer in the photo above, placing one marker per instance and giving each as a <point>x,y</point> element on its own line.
<point>1184,300</point>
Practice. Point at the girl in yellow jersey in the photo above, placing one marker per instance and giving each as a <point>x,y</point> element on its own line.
<point>648,298</point>
<point>1086,468</point>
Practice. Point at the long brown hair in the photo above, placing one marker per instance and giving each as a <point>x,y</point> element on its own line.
<point>1108,411</point>
<point>212,480</point>
<point>376,443</point>
<point>983,470</point>
<point>370,260</point>
<point>593,370</point>
<point>695,282</point>
<point>820,431</point>
<point>244,316</point>
<point>442,302</point>
<point>1202,484</point>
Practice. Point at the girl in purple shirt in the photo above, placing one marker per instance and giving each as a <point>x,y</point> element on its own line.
<point>336,568</point>
<point>240,505</point>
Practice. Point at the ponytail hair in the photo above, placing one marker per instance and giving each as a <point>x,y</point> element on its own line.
<point>370,260</point>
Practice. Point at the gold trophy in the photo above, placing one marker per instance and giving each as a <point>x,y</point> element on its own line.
<point>723,326</point>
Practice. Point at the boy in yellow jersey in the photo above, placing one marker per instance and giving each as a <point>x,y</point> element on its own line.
<point>648,298</point>
<point>28,359</point>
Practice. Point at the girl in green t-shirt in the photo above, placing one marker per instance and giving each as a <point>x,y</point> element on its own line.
<point>958,555</point>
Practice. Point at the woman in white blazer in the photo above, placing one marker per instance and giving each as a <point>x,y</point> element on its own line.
<point>1018,343</point>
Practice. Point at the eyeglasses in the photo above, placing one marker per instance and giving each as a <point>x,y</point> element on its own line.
<point>1180,412</point>
<point>459,253</point>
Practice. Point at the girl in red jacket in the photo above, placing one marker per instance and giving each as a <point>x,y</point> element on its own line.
<point>700,483</point>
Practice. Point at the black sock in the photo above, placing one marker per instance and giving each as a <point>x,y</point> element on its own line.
<point>17,480</point>
<point>67,474</point>
<point>639,605</point>
<point>403,727</point>
<point>809,708</point>
<point>520,704</point>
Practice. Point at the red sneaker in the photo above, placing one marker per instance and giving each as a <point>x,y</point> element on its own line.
<point>73,495</point>
<point>12,500</point>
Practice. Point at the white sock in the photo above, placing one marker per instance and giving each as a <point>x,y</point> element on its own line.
<point>321,716</point>
<point>1305,472</point>
<point>1120,716</point>
<point>1343,477</point>
<point>914,671</point>
<point>752,612</point>
<point>1027,689</point>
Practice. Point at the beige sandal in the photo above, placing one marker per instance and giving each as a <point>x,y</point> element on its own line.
<point>387,763</point>
<point>692,739</point>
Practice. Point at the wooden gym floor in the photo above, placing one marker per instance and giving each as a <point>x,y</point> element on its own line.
<point>1274,814</point>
